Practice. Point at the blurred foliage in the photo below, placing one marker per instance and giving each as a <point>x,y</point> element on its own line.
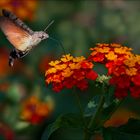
<point>78,25</point>
<point>128,131</point>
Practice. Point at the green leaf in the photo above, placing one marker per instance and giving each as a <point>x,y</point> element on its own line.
<point>68,134</point>
<point>133,127</point>
<point>107,111</point>
<point>107,134</point>
<point>64,121</point>
<point>129,131</point>
<point>108,107</point>
<point>110,102</point>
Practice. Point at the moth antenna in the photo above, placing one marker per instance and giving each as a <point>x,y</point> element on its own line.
<point>58,42</point>
<point>48,25</point>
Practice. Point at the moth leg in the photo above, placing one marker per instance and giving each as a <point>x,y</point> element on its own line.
<point>15,54</point>
<point>22,54</point>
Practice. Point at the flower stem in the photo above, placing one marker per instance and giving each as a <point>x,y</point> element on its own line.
<point>95,116</point>
<point>92,122</point>
<point>113,110</point>
<point>87,136</point>
<point>80,108</point>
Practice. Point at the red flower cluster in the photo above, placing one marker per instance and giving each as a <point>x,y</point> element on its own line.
<point>110,55</point>
<point>6,133</point>
<point>123,67</point>
<point>126,77</point>
<point>35,111</point>
<point>69,72</point>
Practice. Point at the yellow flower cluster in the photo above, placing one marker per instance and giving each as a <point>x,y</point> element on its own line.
<point>132,65</point>
<point>66,64</point>
<point>110,52</point>
<point>70,71</point>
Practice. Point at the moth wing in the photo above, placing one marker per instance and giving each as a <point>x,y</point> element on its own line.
<point>17,36</point>
<point>11,16</point>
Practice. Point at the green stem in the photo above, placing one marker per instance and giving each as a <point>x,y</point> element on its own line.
<point>99,109</point>
<point>87,136</point>
<point>92,122</point>
<point>80,108</point>
<point>114,109</point>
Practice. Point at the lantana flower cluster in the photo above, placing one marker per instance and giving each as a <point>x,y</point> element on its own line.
<point>70,71</point>
<point>35,111</point>
<point>123,67</point>
<point>122,64</point>
<point>25,9</point>
<point>126,77</point>
<point>110,55</point>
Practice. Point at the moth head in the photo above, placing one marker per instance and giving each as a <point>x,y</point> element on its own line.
<point>42,35</point>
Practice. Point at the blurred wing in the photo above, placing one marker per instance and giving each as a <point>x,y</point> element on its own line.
<point>16,20</point>
<point>18,37</point>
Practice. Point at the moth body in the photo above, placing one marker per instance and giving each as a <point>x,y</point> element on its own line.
<point>37,37</point>
<point>19,35</point>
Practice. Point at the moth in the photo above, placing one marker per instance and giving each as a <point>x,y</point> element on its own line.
<point>20,35</point>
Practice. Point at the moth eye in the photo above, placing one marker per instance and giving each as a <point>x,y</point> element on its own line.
<point>41,37</point>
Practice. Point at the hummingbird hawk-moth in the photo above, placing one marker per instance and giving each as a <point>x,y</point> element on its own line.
<point>20,35</point>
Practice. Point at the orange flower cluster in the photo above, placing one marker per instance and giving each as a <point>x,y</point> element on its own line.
<point>123,66</point>
<point>34,110</point>
<point>126,77</point>
<point>22,8</point>
<point>70,71</point>
<point>110,54</point>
